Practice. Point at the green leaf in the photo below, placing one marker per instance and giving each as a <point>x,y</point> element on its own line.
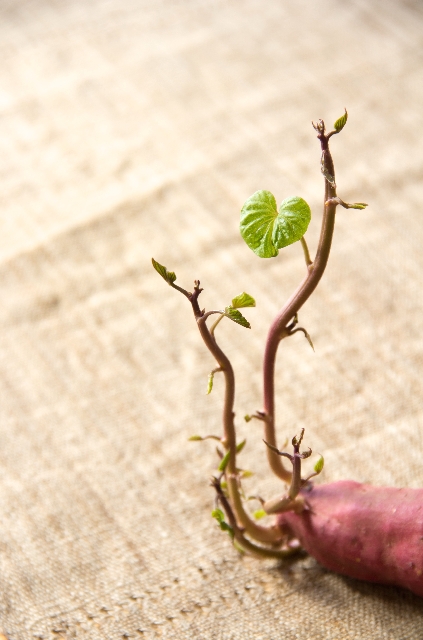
<point>218,515</point>
<point>318,467</point>
<point>169,276</point>
<point>248,418</point>
<point>243,300</point>
<point>236,316</point>
<point>224,462</point>
<point>210,382</point>
<point>257,220</point>
<point>226,527</point>
<point>341,122</point>
<point>358,205</point>
<point>245,473</point>
<point>265,230</point>
<point>240,446</point>
<point>195,438</point>
<point>292,222</point>
<point>260,513</point>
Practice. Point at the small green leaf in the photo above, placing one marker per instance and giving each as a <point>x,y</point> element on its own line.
<point>210,382</point>
<point>265,230</point>
<point>358,205</point>
<point>169,276</point>
<point>243,300</point>
<point>195,438</point>
<point>318,467</point>
<point>224,462</point>
<point>226,527</point>
<point>245,473</point>
<point>236,316</point>
<point>248,418</point>
<point>341,122</point>
<point>260,513</point>
<point>218,515</point>
<point>240,446</point>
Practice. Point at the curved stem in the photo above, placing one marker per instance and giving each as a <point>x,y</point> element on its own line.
<point>270,535</point>
<point>263,534</point>
<point>261,552</point>
<point>246,544</point>
<point>278,329</point>
<point>229,436</point>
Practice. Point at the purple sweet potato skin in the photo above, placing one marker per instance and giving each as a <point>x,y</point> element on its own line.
<point>361,531</point>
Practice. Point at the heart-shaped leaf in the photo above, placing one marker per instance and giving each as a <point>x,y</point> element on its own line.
<point>258,217</point>
<point>265,230</point>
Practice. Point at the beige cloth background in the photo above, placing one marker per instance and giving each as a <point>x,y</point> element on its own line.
<point>137,129</point>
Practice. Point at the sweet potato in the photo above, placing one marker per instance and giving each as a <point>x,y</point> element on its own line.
<point>361,531</point>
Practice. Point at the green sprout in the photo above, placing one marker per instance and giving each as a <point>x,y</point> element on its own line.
<point>266,229</point>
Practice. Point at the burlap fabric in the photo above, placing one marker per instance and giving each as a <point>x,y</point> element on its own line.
<point>137,129</point>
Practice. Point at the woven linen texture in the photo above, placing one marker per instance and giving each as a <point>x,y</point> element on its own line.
<point>137,129</point>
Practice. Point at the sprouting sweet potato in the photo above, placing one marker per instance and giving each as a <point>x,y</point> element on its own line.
<point>361,531</point>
